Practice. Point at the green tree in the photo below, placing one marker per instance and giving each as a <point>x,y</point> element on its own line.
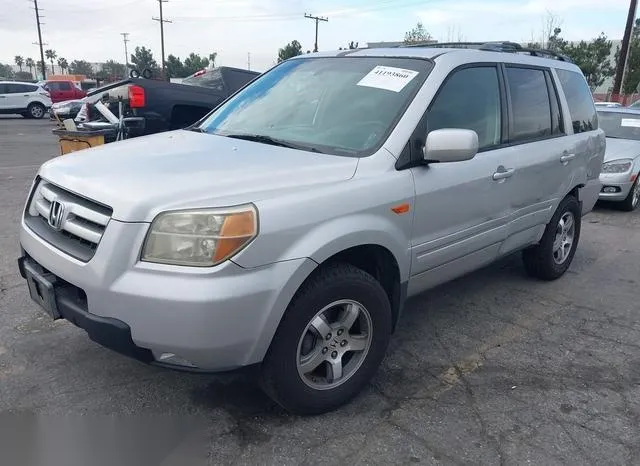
<point>292,49</point>
<point>195,62</point>
<point>111,69</point>
<point>63,64</point>
<point>557,43</point>
<point>143,59</point>
<point>51,55</point>
<point>19,61</point>
<point>6,72</point>
<point>30,64</point>
<point>212,59</point>
<point>174,67</point>
<point>592,58</point>
<point>81,67</point>
<point>632,75</point>
<point>417,35</point>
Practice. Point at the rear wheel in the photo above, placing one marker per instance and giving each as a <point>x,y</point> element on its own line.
<point>551,258</point>
<point>330,342</point>
<point>633,199</point>
<point>36,110</point>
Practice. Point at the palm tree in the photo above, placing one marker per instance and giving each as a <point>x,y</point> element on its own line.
<point>63,64</point>
<point>19,61</point>
<point>212,59</point>
<point>30,64</point>
<point>51,55</point>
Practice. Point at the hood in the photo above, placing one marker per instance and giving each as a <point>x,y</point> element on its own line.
<point>143,176</point>
<point>621,149</point>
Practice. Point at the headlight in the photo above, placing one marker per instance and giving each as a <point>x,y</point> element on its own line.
<point>200,238</point>
<point>617,166</point>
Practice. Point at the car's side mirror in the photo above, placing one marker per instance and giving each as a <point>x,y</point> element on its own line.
<point>450,145</point>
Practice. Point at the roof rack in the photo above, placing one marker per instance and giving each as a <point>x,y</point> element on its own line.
<point>499,46</point>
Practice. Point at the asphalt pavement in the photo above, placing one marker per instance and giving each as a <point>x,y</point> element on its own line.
<point>493,368</point>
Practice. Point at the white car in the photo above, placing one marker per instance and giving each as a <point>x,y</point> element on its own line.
<point>26,99</point>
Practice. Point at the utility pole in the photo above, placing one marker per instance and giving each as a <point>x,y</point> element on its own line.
<point>249,61</point>
<point>125,38</point>
<point>39,43</point>
<point>161,20</point>
<point>624,48</point>
<point>317,19</point>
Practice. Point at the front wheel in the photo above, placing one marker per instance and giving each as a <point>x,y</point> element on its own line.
<point>633,199</point>
<point>330,342</point>
<point>551,258</point>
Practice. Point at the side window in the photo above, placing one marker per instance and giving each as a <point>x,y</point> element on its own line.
<point>65,86</point>
<point>12,88</point>
<point>580,101</point>
<point>530,104</point>
<point>30,88</point>
<point>470,99</point>
<point>3,89</point>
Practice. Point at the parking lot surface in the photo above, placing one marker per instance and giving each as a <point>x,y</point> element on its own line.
<point>494,368</point>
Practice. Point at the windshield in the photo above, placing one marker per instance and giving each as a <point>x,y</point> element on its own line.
<point>620,125</point>
<point>337,105</point>
<point>210,78</point>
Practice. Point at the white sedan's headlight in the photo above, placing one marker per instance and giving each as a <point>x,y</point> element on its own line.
<point>617,166</point>
<point>200,238</point>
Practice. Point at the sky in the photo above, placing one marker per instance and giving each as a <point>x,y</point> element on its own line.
<point>90,29</point>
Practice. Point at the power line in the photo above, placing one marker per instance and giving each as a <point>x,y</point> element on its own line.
<point>161,20</point>
<point>317,19</point>
<point>125,38</point>
<point>39,43</point>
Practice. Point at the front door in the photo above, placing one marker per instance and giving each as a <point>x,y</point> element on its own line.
<point>462,209</point>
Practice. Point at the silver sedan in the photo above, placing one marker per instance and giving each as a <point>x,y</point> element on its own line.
<point>621,167</point>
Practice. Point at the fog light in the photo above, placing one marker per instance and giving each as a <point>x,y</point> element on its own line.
<point>610,189</point>
<point>173,359</point>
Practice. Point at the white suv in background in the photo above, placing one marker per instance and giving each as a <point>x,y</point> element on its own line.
<point>26,99</point>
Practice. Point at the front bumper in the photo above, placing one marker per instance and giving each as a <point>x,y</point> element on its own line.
<point>615,187</point>
<point>212,319</point>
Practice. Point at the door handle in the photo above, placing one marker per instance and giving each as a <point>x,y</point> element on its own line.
<point>25,95</point>
<point>502,175</point>
<point>566,157</point>
<point>3,96</point>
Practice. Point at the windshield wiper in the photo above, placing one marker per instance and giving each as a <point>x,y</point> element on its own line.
<point>263,139</point>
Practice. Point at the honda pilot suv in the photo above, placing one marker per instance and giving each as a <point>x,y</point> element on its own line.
<point>286,229</point>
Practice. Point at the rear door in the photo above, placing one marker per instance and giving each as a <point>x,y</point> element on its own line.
<point>538,149</point>
<point>14,97</point>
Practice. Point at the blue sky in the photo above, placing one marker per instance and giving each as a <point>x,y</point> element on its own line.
<point>90,29</point>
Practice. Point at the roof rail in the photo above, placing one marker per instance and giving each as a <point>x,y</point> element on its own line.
<point>498,46</point>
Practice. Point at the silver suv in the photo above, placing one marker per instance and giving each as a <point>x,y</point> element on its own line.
<point>287,228</point>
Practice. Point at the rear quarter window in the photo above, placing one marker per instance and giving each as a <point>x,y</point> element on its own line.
<point>580,101</point>
<point>530,103</point>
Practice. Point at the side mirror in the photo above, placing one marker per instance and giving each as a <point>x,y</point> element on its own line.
<point>450,145</point>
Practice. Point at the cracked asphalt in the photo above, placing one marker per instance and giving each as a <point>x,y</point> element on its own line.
<point>493,368</point>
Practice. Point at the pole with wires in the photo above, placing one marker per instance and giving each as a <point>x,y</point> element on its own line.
<point>161,20</point>
<point>125,38</point>
<point>317,19</point>
<point>39,43</point>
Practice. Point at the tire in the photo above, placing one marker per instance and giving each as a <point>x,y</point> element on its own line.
<point>36,110</point>
<point>545,261</point>
<point>284,377</point>
<point>633,199</point>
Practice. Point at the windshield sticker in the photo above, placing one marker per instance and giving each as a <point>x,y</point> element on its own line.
<point>630,122</point>
<point>389,78</point>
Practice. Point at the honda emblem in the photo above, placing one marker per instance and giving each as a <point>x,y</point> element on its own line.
<point>56,215</point>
